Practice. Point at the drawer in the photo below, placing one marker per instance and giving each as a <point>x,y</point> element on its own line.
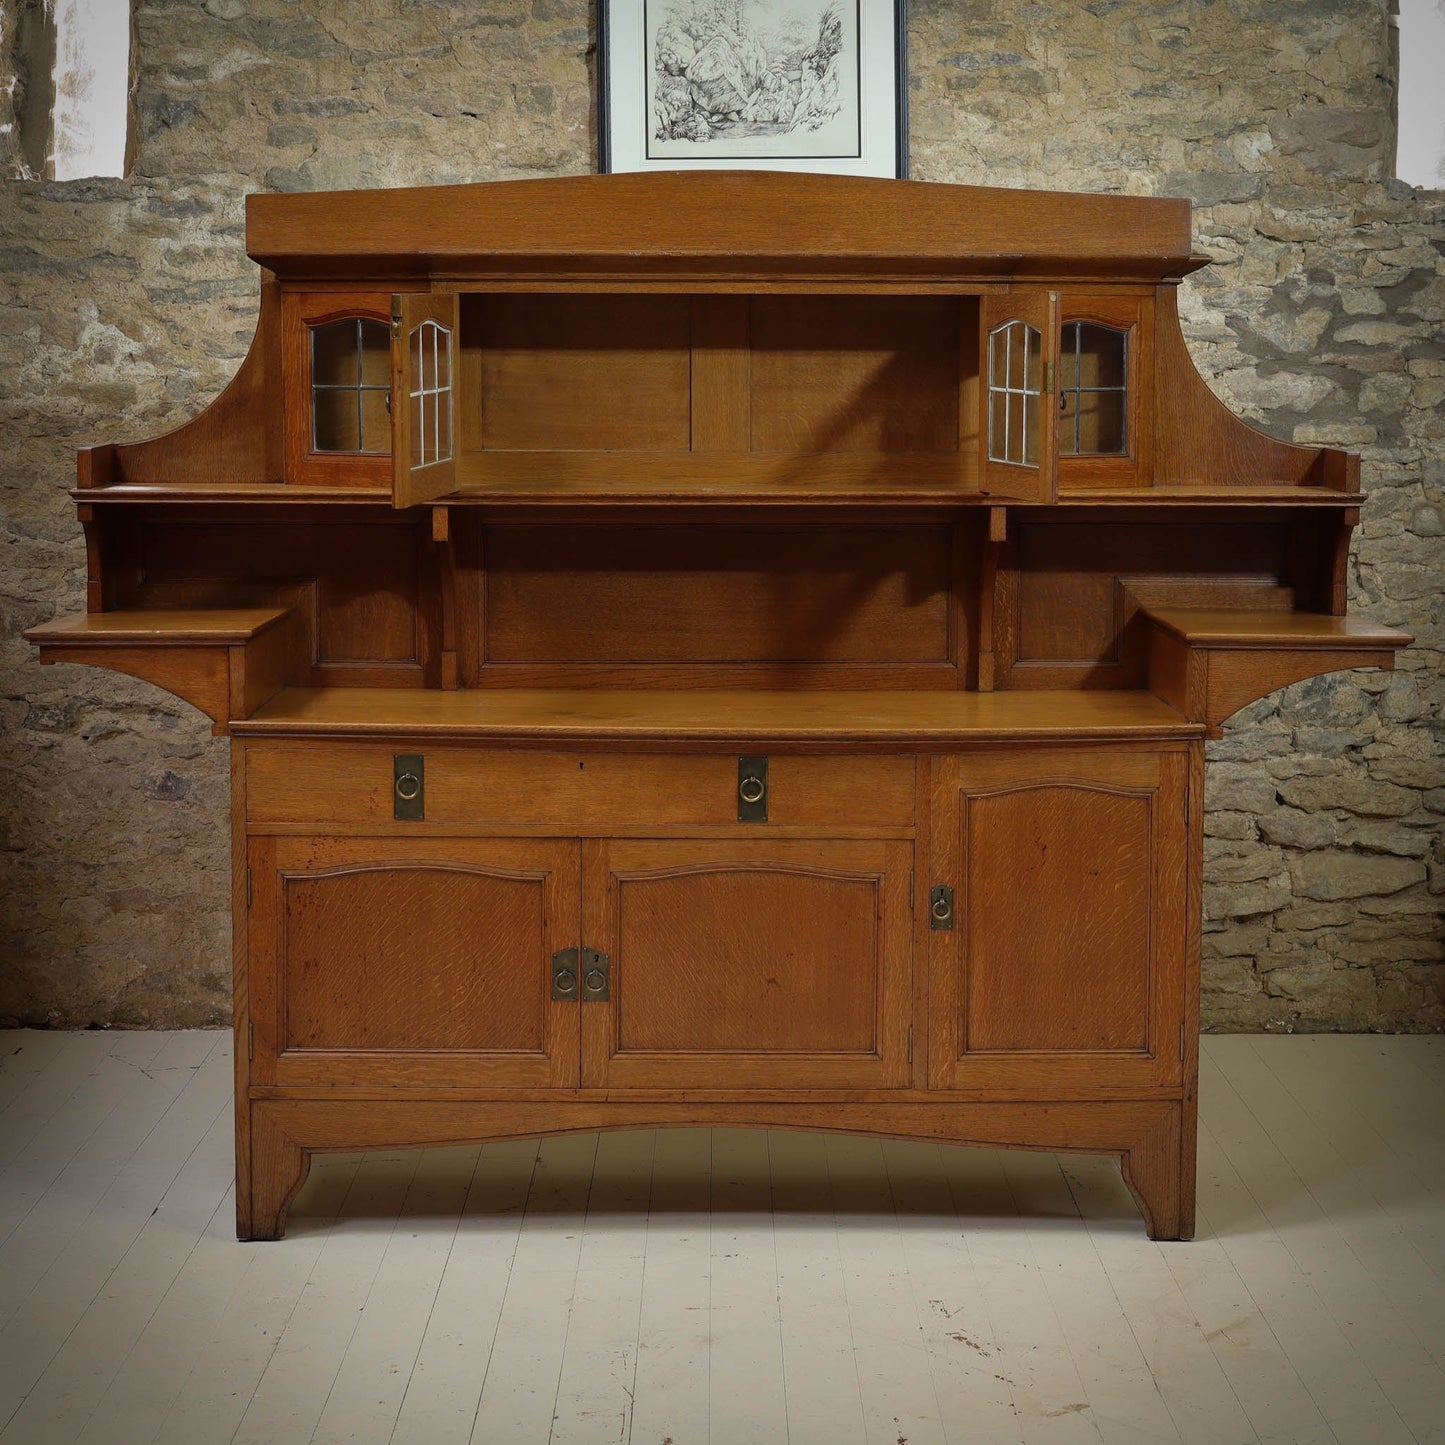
<point>348,785</point>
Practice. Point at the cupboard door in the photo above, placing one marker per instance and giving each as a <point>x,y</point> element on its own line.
<point>748,964</point>
<point>1018,409</point>
<point>412,961</point>
<point>1064,965</point>
<point>424,357</point>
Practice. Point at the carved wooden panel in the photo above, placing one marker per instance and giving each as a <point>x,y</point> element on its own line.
<point>747,964</point>
<point>428,958</point>
<point>1065,959</point>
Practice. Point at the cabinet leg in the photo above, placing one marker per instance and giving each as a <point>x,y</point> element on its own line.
<point>267,1179</point>
<point>1154,1171</point>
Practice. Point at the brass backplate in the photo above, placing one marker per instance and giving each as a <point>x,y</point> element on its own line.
<point>596,976</point>
<point>752,790</point>
<point>564,973</point>
<point>408,787</point>
<point>940,906</point>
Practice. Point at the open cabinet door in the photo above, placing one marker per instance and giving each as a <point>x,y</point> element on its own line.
<point>1018,425</point>
<point>423,363</point>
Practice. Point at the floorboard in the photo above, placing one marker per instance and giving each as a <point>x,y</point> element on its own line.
<point>696,1287</point>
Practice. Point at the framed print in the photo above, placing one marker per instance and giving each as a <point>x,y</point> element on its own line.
<point>799,85</point>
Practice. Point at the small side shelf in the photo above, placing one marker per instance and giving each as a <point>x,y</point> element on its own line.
<point>225,661</point>
<point>1210,662</point>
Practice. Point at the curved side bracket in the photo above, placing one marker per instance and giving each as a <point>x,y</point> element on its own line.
<point>1208,663</point>
<point>237,438</point>
<point>1198,439</point>
<point>226,662</point>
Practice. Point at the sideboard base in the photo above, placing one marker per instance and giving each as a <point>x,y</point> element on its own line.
<point>276,1137</point>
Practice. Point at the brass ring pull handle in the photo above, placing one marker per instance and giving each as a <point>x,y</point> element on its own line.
<point>752,788</point>
<point>595,980</point>
<point>408,785</point>
<point>943,909</point>
<point>564,981</point>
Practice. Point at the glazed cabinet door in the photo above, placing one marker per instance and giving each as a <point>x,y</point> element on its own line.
<point>746,964</point>
<point>1060,962</point>
<point>1018,407</point>
<point>412,961</point>
<point>424,357</point>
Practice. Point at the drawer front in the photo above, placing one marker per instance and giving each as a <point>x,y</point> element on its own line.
<point>352,786</point>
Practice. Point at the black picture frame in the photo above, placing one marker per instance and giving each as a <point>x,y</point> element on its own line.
<point>603,88</point>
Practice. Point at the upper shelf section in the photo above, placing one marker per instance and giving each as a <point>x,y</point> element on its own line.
<point>722,338</point>
<point>730,226</point>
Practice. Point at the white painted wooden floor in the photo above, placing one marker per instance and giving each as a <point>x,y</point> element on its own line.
<point>725,1287</point>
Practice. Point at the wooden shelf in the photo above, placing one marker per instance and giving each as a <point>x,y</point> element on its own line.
<point>1217,627</point>
<point>850,479</point>
<point>1285,494</point>
<point>211,492</point>
<point>182,627</point>
<point>225,661</point>
<point>1210,662</point>
<point>577,715</point>
<point>716,478</point>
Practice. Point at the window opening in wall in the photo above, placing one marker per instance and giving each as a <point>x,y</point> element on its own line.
<point>350,386</point>
<point>92,88</point>
<point>431,399</point>
<point>1420,102</point>
<point>1093,390</point>
<point>1014,385</point>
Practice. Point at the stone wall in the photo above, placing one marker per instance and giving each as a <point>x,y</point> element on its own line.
<point>127,304</point>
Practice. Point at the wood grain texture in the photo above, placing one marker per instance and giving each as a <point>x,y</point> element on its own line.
<point>861,374</point>
<point>717,593</point>
<point>334,786</point>
<point>553,371</point>
<point>1198,439</point>
<point>412,956</point>
<point>721,374</point>
<point>1067,957</point>
<point>432,960</point>
<point>643,222</point>
<point>1067,864</point>
<point>768,963</point>
<point>237,439</point>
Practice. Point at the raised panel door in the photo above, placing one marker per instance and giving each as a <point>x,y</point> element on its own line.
<point>748,964</point>
<point>1063,967</point>
<point>412,961</point>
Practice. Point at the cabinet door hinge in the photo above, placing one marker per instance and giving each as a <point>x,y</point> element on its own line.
<point>912,885</point>
<point>910,1043</point>
<point>1181,1041</point>
<point>250,1040</point>
<point>248,887</point>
